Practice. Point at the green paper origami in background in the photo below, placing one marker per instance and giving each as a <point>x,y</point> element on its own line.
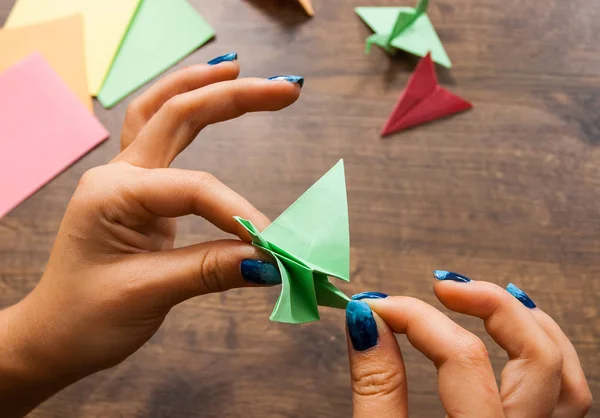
<point>162,33</point>
<point>404,28</point>
<point>310,241</point>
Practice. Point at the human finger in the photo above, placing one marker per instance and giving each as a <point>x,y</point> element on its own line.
<point>141,109</point>
<point>182,117</point>
<point>167,278</point>
<point>531,379</point>
<point>466,381</point>
<point>376,366</point>
<point>168,193</point>
<point>575,398</point>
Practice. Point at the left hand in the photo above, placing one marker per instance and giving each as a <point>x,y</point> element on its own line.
<point>113,274</point>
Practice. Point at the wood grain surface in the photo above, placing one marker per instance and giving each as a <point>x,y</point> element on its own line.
<point>506,192</point>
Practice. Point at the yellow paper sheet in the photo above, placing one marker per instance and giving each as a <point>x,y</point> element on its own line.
<point>60,42</point>
<point>105,25</point>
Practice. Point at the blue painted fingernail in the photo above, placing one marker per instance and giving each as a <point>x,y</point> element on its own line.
<point>362,327</point>
<point>369,295</point>
<point>520,295</point>
<point>260,272</point>
<point>232,56</point>
<point>296,79</point>
<point>448,275</point>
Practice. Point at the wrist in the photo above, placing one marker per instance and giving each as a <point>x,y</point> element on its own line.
<point>27,374</point>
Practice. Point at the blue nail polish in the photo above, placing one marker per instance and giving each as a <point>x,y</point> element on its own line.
<point>260,272</point>
<point>362,327</point>
<point>232,56</point>
<point>520,295</point>
<point>448,275</point>
<point>296,79</point>
<point>369,295</point>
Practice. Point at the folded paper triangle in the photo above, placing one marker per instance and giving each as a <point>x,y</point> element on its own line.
<point>308,7</point>
<point>310,241</point>
<point>162,33</point>
<point>405,28</point>
<point>423,100</point>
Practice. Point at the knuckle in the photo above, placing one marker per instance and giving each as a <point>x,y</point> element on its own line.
<point>582,399</point>
<point>238,104</point>
<point>92,188</point>
<point>103,186</point>
<point>211,272</point>
<point>134,110</point>
<point>174,107</point>
<point>202,182</point>
<point>472,350</point>
<point>552,359</point>
<point>101,180</point>
<point>207,180</point>
<point>90,178</point>
<point>377,380</point>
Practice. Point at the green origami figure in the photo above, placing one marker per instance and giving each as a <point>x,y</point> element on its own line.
<point>310,241</point>
<point>404,28</point>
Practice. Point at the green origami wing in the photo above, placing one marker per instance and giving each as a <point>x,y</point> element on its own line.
<point>327,294</point>
<point>421,38</point>
<point>309,241</point>
<point>315,230</point>
<point>384,21</point>
<point>418,37</point>
<point>405,19</point>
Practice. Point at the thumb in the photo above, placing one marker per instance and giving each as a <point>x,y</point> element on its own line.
<point>174,276</point>
<point>376,364</point>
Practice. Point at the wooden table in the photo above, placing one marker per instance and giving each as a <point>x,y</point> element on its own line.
<point>507,192</point>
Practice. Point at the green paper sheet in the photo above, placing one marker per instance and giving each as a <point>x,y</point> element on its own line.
<point>405,28</point>
<point>310,241</point>
<point>162,33</point>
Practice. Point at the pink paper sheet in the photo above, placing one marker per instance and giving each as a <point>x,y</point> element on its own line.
<point>44,128</point>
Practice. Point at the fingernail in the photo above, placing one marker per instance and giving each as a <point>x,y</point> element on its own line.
<point>448,275</point>
<point>260,272</point>
<point>296,79</point>
<point>361,325</point>
<point>369,295</point>
<point>232,56</point>
<point>520,295</point>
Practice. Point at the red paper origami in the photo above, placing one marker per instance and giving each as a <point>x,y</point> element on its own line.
<point>423,100</point>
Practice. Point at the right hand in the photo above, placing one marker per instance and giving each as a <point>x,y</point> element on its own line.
<point>543,377</point>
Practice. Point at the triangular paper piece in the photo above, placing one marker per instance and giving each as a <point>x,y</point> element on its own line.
<point>423,100</point>
<point>308,7</point>
<point>419,38</point>
<point>105,24</point>
<point>420,85</point>
<point>328,294</point>
<point>162,33</point>
<point>381,19</point>
<point>60,42</point>
<point>315,228</point>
